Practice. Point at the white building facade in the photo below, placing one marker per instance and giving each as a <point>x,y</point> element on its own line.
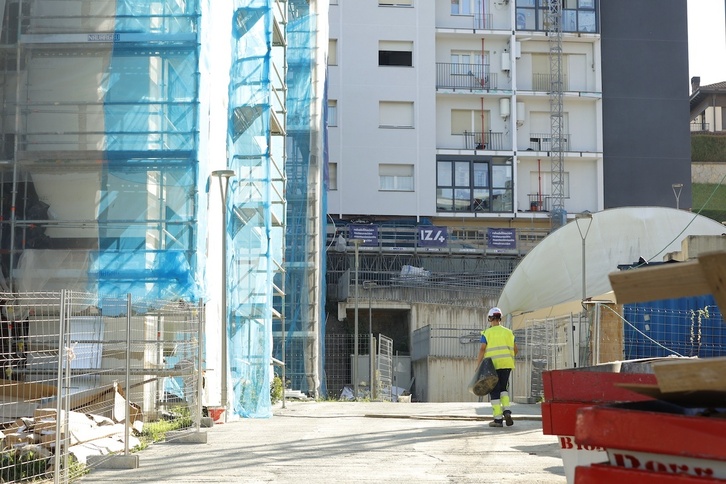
<point>443,110</point>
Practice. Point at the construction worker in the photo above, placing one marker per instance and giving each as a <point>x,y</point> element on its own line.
<point>497,343</point>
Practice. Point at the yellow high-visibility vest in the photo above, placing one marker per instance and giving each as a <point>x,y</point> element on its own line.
<point>500,346</point>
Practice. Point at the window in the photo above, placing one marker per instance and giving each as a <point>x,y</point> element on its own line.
<point>332,112</point>
<point>332,52</point>
<point>332,176</point>
<point>474,185</point>
<point>395,114</point>
<point>577,15</point>
<point>395,53</point>
<point>541,80</point>
<point>460,7</point>
<point>395,177</point>
<point>467,120</point>
<point>395,3</point>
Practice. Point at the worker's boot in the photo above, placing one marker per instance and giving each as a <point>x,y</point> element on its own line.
<point>496,423</point>
<point>508,418</point>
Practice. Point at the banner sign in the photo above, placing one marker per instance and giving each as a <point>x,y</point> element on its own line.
<point>432,236</point>
<point>369,233</point>
<point>502,238</point>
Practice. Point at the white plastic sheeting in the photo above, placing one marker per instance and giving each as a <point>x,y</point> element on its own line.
<point>548,281</point>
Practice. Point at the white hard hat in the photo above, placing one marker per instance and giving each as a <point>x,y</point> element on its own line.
<point>494,311</point>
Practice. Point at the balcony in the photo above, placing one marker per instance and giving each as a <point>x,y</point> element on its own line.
<point>699,127</point>
<point>543,82</point>
<point>488,140</point>
<point>469,77</point>
<point>544,142</point>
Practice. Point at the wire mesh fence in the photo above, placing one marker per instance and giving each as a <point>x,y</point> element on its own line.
<point>340,370</point>
<point>84,379</point>
<point>608,333</point>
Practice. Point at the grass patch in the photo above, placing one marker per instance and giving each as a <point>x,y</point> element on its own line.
<point>179,418</point>
<point>709,201</point>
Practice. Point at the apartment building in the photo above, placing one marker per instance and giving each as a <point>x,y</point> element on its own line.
<point>462,132</point>
<point>472,111</point>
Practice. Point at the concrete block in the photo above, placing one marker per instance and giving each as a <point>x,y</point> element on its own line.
<point>130,461</point>
<point>186,437</point>
<point>206,422</point>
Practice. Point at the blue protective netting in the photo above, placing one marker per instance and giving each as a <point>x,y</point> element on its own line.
<point>138,103</point>
<point>302,207</point>
<point>150,122</point>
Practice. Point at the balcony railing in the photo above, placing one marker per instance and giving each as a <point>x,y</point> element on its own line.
<point>483,21</point>
<point>543,82</point>
<point>472,77</point>
<point>698,126</point>
<point>487,140</point>
<point>544,142</point>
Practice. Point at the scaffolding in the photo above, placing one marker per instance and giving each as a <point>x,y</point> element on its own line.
<point>113,116</point>
<point>98,179</point>
<point>554,36</point>
<point>298,340</point>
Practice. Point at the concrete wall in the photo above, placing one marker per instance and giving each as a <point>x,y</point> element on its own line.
<point>707,172</point>
<point>444,380</point>
<point>645,102</point>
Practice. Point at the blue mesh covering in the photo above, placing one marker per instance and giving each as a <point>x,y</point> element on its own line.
<point>147,215</point>
<point>127,123</point>
<point>254,242</point>
<point>302,332</point>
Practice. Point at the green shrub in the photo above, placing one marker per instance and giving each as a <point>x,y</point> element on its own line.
<point>708,147</point>
<point>276,390</point>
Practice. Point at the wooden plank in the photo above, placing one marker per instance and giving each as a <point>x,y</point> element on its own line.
<point>678,279</point>
<point>698,398</point>
<point>698,374</point>
<point>713,266</point>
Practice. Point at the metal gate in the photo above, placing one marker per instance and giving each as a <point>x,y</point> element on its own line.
<point>384,368</point>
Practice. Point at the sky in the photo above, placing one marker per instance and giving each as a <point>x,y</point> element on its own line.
<point>707,41</point>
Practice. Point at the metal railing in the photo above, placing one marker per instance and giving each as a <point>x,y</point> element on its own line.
<point>487,140</point>
<point>543,142</point>
<point>543,82</point>
<point>472,77</point>
<point>698,126</point>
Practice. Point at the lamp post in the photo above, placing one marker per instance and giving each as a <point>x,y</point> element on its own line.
<point>368,285</point>
<point>224,176</point>
<point>356,243</point>
<point>677,187</point>
<point>583,221</point>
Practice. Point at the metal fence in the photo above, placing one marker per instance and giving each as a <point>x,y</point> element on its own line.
<point>339,367</point>
<point>607,333</point>
<point>86,380</point>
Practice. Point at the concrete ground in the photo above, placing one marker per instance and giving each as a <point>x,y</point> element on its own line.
<point>339,442</point>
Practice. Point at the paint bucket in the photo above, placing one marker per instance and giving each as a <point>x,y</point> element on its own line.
<point>217,414</point>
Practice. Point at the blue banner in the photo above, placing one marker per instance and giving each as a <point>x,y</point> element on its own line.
<point>502,238</point>
<point>432,236</point>
<point>369,233</point>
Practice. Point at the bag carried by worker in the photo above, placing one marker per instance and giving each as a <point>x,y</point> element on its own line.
<point>485,378</point>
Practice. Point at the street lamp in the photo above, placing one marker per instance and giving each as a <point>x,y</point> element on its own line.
<point>583,221</point>
<point>677,187</point>
<point>224,176</point>
<point>368,285</point>
<point>356,243</point>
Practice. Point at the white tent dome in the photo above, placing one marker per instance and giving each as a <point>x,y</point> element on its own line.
<point>548,281</point>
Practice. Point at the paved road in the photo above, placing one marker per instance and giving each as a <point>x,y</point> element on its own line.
<point>340,442</point>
